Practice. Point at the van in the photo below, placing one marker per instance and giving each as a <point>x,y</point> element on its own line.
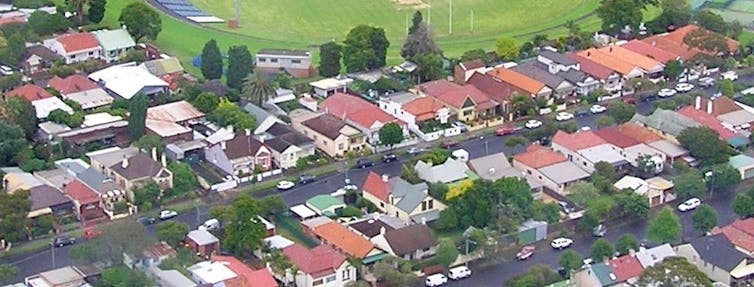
<point>435,280</point>
<point>459,272</point>
<point>210,224</point>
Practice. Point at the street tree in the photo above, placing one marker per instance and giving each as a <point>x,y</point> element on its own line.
<point>141,21</point>
<point>570,260</point>
<point>121,276</point>
<point>87,253</point>
<point>272,205</point>
<point>743,205</point>
<point>673,69</point>
<point>626,243</point>
<point>212,61</point>
<point>549,212</point>
<point>602,249</point>
<point>172,232</point>
<point>96,10</point>
<point>8,273</point>
<point>419,40</point>
<point>206,102</point>
<point>616,14</point>
<point>13,210</point>
<point>689,184</point>
<point>537,275</point>
<point>726,88</point>
<point>391,134</point>
<point>239,66</point>
<point>674,271</point>
<point>704,145</point>
<point>137,110</point>
<point>243,231</point>
<point>723,176</point>
<point>665,227</point>
<point>124,236</point>
<point>365,48</point>
<point>506,48</point>
<point>704,218</point>
<point>20,112</point>
<point>257,88</point>
<point>605,121</point>
<point>622,112</point>
<point>329,59</point>
<point>632,205</point>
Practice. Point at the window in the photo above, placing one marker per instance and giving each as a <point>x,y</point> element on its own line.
<point>431,204</point>
<point>341,146</point>
<point>91,53</point>
<point>346,274</point>
<point>324,142</point>
<point>262,60</point>
<point>467,112</point>
<point>317,282</point>
<point>274,60</point>
<point>296,61</point>
<point>424,205</point>
<point>331,279</point>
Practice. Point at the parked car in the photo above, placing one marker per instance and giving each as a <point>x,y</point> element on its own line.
<point>306,178</point>
<point>561,243</point>
<point>566,207</point>
<point>666,93</point>
<point>209,225</point>
<point>505,131</point>
<point>596,109</point>
<point>706,82</point>
<point>92,233</point>
<point>526,252</point>
<point>64,241</point>
<point>545,141</point>
<point>650,98</point>
<point>167,214</point>
<point>389,158</point>
<point>563,116</point>
<point>285,185</point>
<point>435,280</point>
<point>684,87</point>
<point>581,113</point>
<point>463,127</point>
<point>144,220</point>
<point>415,150</point>
<point>689,204</point>
<point>533,124</point>
<point>5,70</point>
<point>729,75</point>
<point>448,144</point>
<point>364,163</point>
<point>460,272</point>
<point>599,231</point>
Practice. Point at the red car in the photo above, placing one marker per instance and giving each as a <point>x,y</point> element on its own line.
<point>92,233</point>
<point>505,131</point>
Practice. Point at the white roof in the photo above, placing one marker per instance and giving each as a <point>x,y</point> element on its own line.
<point>221,135</point>
<point>99,118</point>
<point>174,112</point>
<point>211,272</point>
<point>267,224</point>
<point>52,128</point>
<point>90,98</point>
<point>649,257</point>
<point>166,129</point>
<point>277,242</point>
<point>451,170</point>
<point>44,106</point>
<point>202,237</point>
<point>302,211</point>
<point>602,152</point>
<point>564,172</point>
<point>331,83</point>
<point>126,80</point>
<point>636,184</point>
<point>737,118</point>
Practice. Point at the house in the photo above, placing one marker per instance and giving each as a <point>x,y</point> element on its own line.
<point>551,168</point>
<point>137,170</point>
<point>665,123</point>
<point>115,43</point>
<point>203,243</point>
<point>464,70</point>
<point>329,86</point>
<point>522,83</point>
<point>102,160</point>
<point>287,144</point>
<point>719,259</point>
<point>634,131</point>
<point>651,51</point>
<point>609,79</point>
<point>170,278</point>
<point>496,89</point>
<point>75,47</point>
<point>657,190</point>
<point>80,89</point>
<point>325,204</point>
<point>150,257</point>
<point>245,275</point>
<point>294,62</point>
<point>46,199</point>
<point>596,275</point>
<point>330,134</point>
<point>361,114</point>
<point>496,166</point>
<point>265,119</point>
<point>38,58</point>
<point>214,274</point>
<point>240,155</point>
<point>42,100</point>
<point>61,277</point>
<point>632,149</point>
<point>534,69</point>
<point>450,171</point>
<point>744,164</point>
<point>735,138</point>
<point>319,266</point>
<point>412,242</point>
<point>372,225</point>
<point>627,70</point>
<point>627,268</point>
<point>348,242</point>
<point>674,42</point>
<point>648,257</point>
<point>648,66</point>
<point>104,135</point>
<point>416,112</point>
<point>168,69</point>
<point>740,233</point>
<point>397,197</point>
<point>171,122</point>
<point>468,103</point>
<point>566,68</point>
<point>128,80</point>
<point>585,149</point>
<point>85,199</point>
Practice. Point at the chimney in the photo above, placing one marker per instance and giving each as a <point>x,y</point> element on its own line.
<point>382,230</point>
<point>654,43</point>
<point>698,103</point>
<point>709,106</point>
<point>588,54</point>
<point>631,252</point>
<point>424,220</point>
<point>248,132</point>
<point>222,145</point>
<point>124,163</point>
<point>164,160</point>
<point>385,177</point>
<point>154,154</point>
<point>611,49</point>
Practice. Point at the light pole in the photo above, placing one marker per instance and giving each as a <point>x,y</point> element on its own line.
<point>52,250</point>
<point>710,176</point>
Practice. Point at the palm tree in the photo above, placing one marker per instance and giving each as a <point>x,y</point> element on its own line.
<point>257,88</point>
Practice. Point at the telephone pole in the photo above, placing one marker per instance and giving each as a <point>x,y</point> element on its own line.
<point>429,12</point>
<point>450,17</point>
<point>238,13</point>
<point>472,21</point>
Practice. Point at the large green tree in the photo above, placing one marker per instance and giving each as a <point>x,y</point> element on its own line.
<point>257,88</point>
<point>537,275</point>
<point>14,209</point>
<point>616,14</point>
<point>705,145</point>
<point>429,67</point>
<point>674,271</point>
<point>602,249</point>
<point>137,117</point>
<point>20,112</point>
<point>626,243</point>
<point>228,113</point>
<point>212,61</point>
<point>206,102</point>
<point>419,40</point>
<point>673,69</point>
<point>8,273</point>
<point>633,205</point>
<point>121,276</point>
<point>329,59</point>
<point>690,184</point>
<point>704,218</point>
<point>365,48</point>
<point>621,112</point>
<point>506,48</point>
<point>243,231</point>
<point>141,21</point>
<point>172,232</point>
<point>665,227</point>
<point>44,23</point>
<point>184,178</point>
<point>239,65</point>
<point>711,21</point>
<point>96,10</point>
<point>570,260</point>
<point>14,50</point>
<point>743,205</point>
<point>391,134</point>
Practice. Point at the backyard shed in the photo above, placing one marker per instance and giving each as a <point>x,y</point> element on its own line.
<point>744,164</point>
<point>532,231</point>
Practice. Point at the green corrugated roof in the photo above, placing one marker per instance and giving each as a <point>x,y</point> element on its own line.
<point>741,160</point>
<point>564,283</point>
<point>324,201</point>
<point>603,272</point>
<point>114,39</point>
<point>738,141</point>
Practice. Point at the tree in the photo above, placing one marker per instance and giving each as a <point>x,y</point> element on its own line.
<point>387,273</point>
<point>602,249</point>
<point>476,54</point>
<point>446,253</point>
<point>391,134</point>
<point>184,178</point>
<point>212,61</point>
<point>419,40</point>
<point>723,176</point>
<point>626,243</point>
<point>244,232</point>
<point>571,260</point>
<point>13,210</point>
<point>8,273</point>
<point>605,121</point>
<point>616,14</point>
<point>711,21</point>
<point>14,50</point>
<point>743,205</point>
<point>673,69</point>
<point>633,205</point>
<point>726,88</point>
<point>283,80</point>
<point>44,23</point>
<point>206,102</point>
<point>438,190</point>
<point>148,142</point>
<point>408,173</point>
<point>674,271</point>
<point>506,48</point>
<point>365,48</point>
<point>87,253</point>
<point>674,12</point>
<point>124,236</point>
<point>537,275</point>
<point>137,117</point>
<point>77,6</point>
<point>272,205</point>
<point>428,67</point>
<point>329,59</point>
<point>665,227</point>
<point>257,88</point>
<point>279,263</point>
<point>121,276</point>
<point>96,10</point>
<point>690,184</point>
<point>622,112</point>
<point>141,21</point>
<point>705,145</point>
<point>239,66</point>
<point>707,41</point>
<point>704,218</point>
<point>229,114</point>
<point>20,112</point>
<point>549,212</point>
<point>172,232</point>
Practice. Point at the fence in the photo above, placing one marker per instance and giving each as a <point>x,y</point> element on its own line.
<point>433,136</point>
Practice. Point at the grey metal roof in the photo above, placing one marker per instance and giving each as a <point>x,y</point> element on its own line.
<point>111,158</point>
<point>557,57</point>
<point>737,118</point>
<point>668,148</point>
<point>409,195</point>
<point>670,122</point>
<point>719,251</point>
<point>649,257</point>
<point>539,72</point>
<point>94,179</point>
<point>450,171</point>
<point>202,237</point>
<point>564,172</point>
<point>490,167</point>
<point>604,153</point>
<point>573,76</point>
<point>430,215</point>
<point>258,113</point>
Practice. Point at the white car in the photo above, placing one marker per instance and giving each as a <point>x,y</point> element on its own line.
<point>729,75</point>
<point>689,204</point>
<point>596,109</point>
<point>561,243</point>
<point>209,225</point>
<point>684,87</point>
<point>285,185</point>
<point>666,93</point>
<point>459,272</point>
<point>167,214</point>
<point>706,82</point>
<point>533,124</point>
<point>435,280</point>
<point>563,116</point>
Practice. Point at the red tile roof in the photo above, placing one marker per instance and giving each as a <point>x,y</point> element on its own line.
<point>250,277</point>
<point>344,239</point>
<point>29,92</point>
<point>375,186</point>
<point>626,267</point>
<point>673,42</point>
<point>456,95</point>
<point>423,108</point>
<point>318,261</point>
<point>71,84</point>
<point>592,68</point>
<point>470,65</point>
<point>81,192</point>
<point>356,110</point>
<point>578,140</point>
<point>495,88</point>
<point>720,105</point>
<point>518,80</point>
<point>740,233</point>
<point>78,41</point>
<point>614,63</point>
<point>540,157</point>
<point>613,135</point>
<point>709,121</point>
<point>651,51</point>
<point>639,133</point>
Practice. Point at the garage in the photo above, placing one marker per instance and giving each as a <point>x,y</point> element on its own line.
<point>744,164</point>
